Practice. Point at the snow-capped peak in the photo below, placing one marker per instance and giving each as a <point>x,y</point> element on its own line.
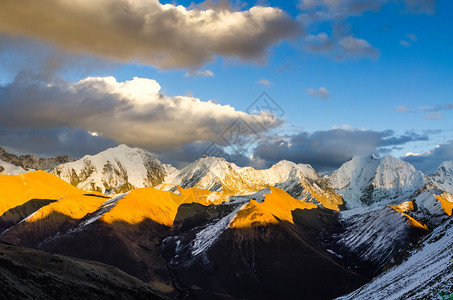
<point>367,179</point>
<point>114,170</point>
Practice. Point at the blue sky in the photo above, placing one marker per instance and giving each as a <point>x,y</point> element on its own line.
<point>378,67</point>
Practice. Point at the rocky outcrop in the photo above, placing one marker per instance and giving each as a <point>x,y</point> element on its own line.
<point>32,162</point>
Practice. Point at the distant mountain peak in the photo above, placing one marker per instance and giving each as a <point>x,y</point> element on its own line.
<point>443,177</point>
<point>365,180</point>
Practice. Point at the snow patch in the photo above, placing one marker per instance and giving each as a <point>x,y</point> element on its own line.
<point>206,237</point>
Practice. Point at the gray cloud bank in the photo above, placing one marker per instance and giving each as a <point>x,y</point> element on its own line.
<point>327,150</point>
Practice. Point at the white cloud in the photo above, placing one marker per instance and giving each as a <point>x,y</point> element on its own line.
<point>433,116</point>
<point>347,127</point>
<point>403,109</point>
<point>356,46</point>
<point>203,73</point>
<point>405,43</point>
<point>342,42</point>
<point>431,112</point>
<point>323,10</point>
<point>437,108</point>
<point>264,82</point>
<point>133,112</point>
<point>163,35</point>
<point>322,93</point>
<point>412,154</point>
<point>412,37</point>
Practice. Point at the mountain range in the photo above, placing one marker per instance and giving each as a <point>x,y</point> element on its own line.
<point>217,230</point>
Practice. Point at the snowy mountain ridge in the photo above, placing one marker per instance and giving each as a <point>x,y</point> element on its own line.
<point>362,181</point>
<point>216,174</point>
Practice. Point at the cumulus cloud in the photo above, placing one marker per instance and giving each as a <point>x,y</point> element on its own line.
<point>322,93</point>
<point>327,150</point>
<point>133,112</point>
<point>163,35</point>
<point>429,162</point>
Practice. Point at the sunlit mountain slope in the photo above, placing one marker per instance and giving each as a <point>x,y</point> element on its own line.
<point>15,190</point>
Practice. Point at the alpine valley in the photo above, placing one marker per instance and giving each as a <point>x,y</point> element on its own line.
<point>120,224</point>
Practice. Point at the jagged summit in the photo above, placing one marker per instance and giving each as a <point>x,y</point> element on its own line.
<point>365,180</point>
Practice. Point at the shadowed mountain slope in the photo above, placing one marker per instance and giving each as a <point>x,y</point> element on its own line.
<point>33,274</point>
